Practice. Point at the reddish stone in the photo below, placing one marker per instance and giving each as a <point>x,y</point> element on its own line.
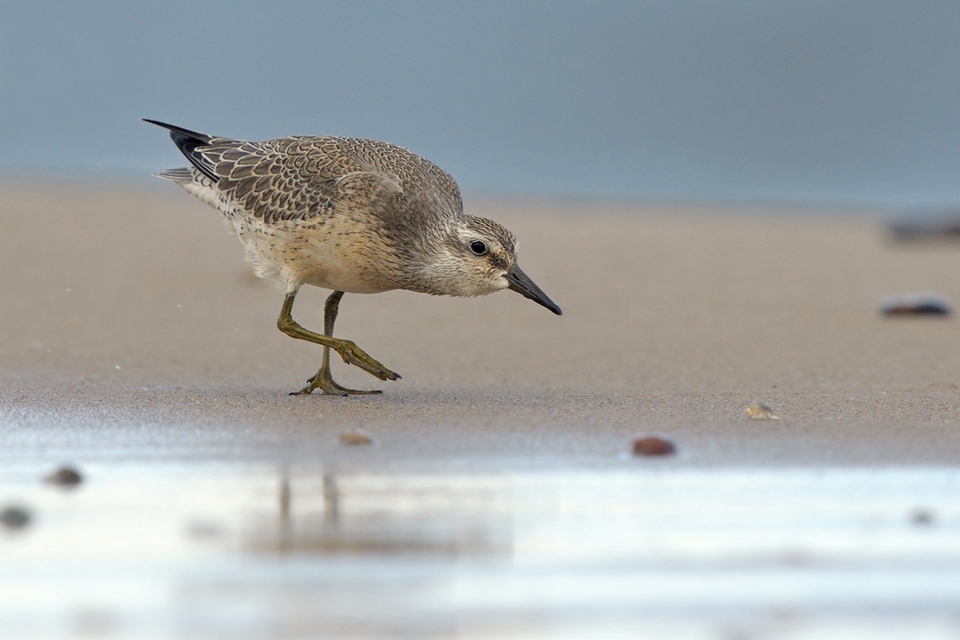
<point>653,446</point>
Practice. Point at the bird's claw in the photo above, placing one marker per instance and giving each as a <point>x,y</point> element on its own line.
<point>324,381</point>
<point>352,354</point>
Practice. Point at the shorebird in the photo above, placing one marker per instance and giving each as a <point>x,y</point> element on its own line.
<point>351,215</point>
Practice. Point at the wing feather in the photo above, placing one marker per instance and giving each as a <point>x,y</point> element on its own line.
<point>302,177</point>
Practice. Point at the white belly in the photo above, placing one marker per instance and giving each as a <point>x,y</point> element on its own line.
<point>332,253</point>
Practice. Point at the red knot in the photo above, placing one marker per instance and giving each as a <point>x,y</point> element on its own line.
<point>350,215</point>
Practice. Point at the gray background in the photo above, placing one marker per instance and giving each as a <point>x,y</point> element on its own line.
<point>848,102</point>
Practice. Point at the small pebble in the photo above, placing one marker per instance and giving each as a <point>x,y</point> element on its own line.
<point>202,529</point>
<point>915,304</point>
<point>14,517</point>
<point>922,517</point>
<point>929,224</point>
<point>760,411</point>
<point>653,446</point>
<point>797,558</point>
<point>356,437</point>
<point>64,477</point>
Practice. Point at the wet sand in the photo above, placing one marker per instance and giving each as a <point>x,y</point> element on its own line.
<point>132,328</point>
<point>500,499</point>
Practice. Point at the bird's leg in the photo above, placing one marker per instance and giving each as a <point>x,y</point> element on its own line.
<point>350,352</point>
<point>323,380</point>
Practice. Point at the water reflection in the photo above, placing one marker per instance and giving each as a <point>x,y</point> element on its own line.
<point>211,551</point>
<point>331,498</point>
<point>402,518</point>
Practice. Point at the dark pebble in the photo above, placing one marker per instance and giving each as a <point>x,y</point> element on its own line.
<point>915,304</point>
<point>929,224</point>
<point>922,517</point>
<point>64,477</point>
<point>653,446</point>
<point>14,517</point>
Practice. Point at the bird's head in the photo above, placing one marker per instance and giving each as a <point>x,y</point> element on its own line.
<point>479,257</point>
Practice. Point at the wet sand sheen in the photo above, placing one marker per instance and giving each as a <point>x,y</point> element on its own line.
<point>135,344</point>
<point>253,551</point>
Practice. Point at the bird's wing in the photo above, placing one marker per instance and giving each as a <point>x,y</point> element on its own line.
<point>188,141</point>
<point>302,177</point>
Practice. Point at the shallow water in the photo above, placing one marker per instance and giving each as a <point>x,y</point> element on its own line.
<point>232,550</point>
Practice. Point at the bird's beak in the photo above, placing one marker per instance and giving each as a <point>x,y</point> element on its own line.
<point>522,284</point>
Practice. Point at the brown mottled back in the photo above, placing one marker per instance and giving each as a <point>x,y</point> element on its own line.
<point>302,177</point>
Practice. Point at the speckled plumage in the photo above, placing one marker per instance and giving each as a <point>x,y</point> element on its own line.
<point>351,215</point>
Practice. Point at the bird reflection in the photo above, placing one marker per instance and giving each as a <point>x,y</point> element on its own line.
<point>331,499</point>
<point>394,520</point>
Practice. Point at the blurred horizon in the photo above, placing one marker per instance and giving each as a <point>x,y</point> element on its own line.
<point>848,104</point>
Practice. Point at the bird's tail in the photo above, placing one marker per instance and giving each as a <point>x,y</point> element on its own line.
<point>179,132</point>
<point>181,175</point>
<point>188,141</point>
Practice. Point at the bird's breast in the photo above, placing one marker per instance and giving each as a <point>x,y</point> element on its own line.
<point>343,250</point>
<point>338,255</point>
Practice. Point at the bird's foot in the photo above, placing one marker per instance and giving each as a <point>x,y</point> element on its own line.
<point>324,381</point>
<point>352,354</point>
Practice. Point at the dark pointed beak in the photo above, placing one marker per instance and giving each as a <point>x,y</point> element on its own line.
<point>522,284</point>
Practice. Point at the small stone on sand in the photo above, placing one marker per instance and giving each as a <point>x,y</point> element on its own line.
<point>653,446</point>
<point>356,437</point>
<point>915,304</point>
<point>64,477</point>
<point>922,517</point>
<point>760,411</point>
<point>14,517</point>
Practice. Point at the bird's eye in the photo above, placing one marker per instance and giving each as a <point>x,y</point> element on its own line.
<point>478,247</point>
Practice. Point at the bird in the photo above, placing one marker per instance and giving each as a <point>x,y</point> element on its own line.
<point>350,215</point>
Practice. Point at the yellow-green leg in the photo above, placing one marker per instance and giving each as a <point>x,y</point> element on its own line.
<point>323,380</point>
<point>350,352</point>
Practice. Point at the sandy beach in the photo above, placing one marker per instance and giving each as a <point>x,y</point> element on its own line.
<point>130,313</point>
<point>500,498</point>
